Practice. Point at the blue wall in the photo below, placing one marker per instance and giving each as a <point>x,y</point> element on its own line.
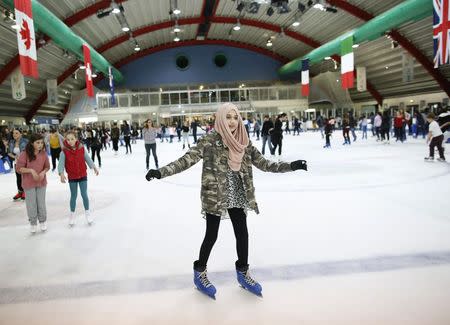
<point>159,68</point>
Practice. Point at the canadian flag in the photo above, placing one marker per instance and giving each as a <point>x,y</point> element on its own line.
<point>25,38</point>
<point>88,65</point>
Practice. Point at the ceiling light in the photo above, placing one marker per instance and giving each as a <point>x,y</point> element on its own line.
<point>177,11</point>
<point>176,29</point>
<point>137,48</point>
<point>296,23</point>
<point>29,82</point>
<point>269,43</point>
<point>237,26</point>
<point>160,89</point>
<point>176,39</point>
<point>116,9</point>
<point>201,87</point>
<point>126,28</point>
<point>94,75</point>
<point>328,58</point>
<point>355,46</point>
<point>386,68</point>
<point>82,66</point>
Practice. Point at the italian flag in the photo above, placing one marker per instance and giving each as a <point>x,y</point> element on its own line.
<point>305,77</point>
<point>347,63</point>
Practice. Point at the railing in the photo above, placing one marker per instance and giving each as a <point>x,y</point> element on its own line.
<point>199,97</point>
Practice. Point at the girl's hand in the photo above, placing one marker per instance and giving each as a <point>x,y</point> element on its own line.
<point>41,175</point>
<point>96,171</point>
<point>63,178</point>
<point>35,175</point>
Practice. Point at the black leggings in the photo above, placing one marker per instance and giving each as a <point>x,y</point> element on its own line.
<point>19,182</point>
<point>55,155</point>
<point>239,221</point>
<point>127,142</point>
<point>115,144</point>
<point>94,151</point>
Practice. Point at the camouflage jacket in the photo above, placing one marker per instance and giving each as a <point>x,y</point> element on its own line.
<point>214,153</point>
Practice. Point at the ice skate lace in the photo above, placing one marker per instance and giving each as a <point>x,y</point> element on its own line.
<point>204,279</point>
<point>248,278</point>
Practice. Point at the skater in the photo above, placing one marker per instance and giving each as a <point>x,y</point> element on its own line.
<point>398,126</point>
<point>296,125</point>
<point>16,146</point>
<point>194,125</point>
<point>267,128</point>
<point>352,123</point>
<point>185,133</point>
<point>328,131</point>
<point>55,141</point>
<point>33,164</point>
<point>377,124</point>
<point>73,159</point>
<point>126,132</point>
<point>115,135</point>
<point>364,123</point>
<point>257,127</point>
<point>385,127</point>
<point>96,146</point>
<point>227,188</point>
<point>435,139</point>
<point>149,133</point>
<point>346,129</point>
<point>277,135</point>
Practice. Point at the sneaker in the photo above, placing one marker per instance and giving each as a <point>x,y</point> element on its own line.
<point>22,197</point>
<point>72,219</point>
<point>33,229</point>
<point>246,281</point>
<point>43,226</point>
<point>429,158</point>
<point>18,196</point>
<point>89,220</point>
<point>441,159</point>
<point>202,283</point>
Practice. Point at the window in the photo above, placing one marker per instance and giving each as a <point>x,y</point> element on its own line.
<point>224,96</point>
<point>174,98</point>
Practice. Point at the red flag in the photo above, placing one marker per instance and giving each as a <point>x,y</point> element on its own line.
<point>25,38</point>
<point>88,65</point>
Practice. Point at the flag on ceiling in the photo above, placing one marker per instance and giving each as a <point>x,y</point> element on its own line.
<point>441,32</point>
<point>88,65</point>
<point>25,38</point>
<point>52,91</point>
<point>18,85</point>
<point>111,86</point>
<point>361,78</point>
<point>347,63</point>
<point>305,77</point>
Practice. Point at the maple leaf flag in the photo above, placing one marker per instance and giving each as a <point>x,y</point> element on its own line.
<point>25,38</point>
<point>88,65</point>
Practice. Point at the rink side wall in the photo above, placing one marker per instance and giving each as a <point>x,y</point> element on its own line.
<point>160,69</point>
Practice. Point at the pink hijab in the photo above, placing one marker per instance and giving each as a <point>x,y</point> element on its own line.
<point>236,141</point>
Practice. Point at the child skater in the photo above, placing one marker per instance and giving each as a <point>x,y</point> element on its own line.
<point>33,164</point>
<point>227,189</point>
<point>435,138</point>
<point>328,132</point>
<point>73,159</point>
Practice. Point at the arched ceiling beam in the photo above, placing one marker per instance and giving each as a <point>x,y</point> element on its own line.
<point>403,41</point>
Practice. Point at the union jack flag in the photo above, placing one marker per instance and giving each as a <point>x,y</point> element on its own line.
<point>441,32</point>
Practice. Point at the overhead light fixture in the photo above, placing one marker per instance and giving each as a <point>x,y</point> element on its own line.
<point>296,22</point>
<point>176,28</point>
<point>201,87</point>
<point>81,66</point>
<point>115,8</point>
<point>177,11</point>
<point>386,67</point>
<point>176,39</point>
<point>328,58</point>
<point>355,46</point>
<point>237,26</point>
<point>125,28</point>
<point>137,47</point>
<point>94,74</point>
<point>269,43</point>
<point>28,81</point>
<point>160,90</point>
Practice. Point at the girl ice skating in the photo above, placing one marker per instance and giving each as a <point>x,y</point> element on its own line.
<point>227,189</point>
<point>33,164</point>
<point>73,159</point>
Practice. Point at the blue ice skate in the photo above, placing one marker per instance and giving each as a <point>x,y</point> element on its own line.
<point>245,280</point>
<point>202,283</point>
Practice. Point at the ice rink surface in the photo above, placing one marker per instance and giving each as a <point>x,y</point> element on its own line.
<point>363,237</point>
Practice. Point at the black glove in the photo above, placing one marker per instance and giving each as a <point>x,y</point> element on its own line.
<point>299,164</point>
<point>153,173</point>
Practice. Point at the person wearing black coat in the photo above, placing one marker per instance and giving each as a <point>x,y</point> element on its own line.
<point>277,135</point>
<point>385,127</point>
<point>265,134</point>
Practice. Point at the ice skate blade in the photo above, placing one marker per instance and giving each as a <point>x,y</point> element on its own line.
<point>255,294</point>
<point>203,293</point>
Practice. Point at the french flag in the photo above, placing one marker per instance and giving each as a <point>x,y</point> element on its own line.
<point>25,38</point>
<point>305,77</point>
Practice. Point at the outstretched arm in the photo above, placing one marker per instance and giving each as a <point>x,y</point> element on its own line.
<point>270,166</point>
<point>189,159</point>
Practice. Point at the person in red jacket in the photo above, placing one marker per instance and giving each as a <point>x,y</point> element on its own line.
<point>398,126</point>
<point>73,159</point>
